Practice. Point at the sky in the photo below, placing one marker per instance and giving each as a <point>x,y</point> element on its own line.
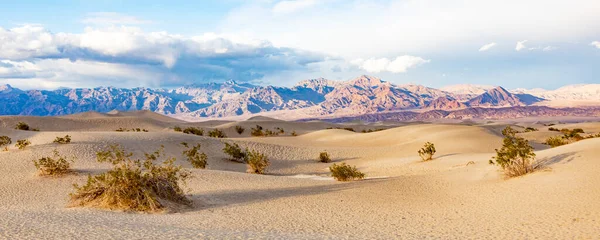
<point>516,44</point>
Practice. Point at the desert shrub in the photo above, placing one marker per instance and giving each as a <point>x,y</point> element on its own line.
<point>294,133</point>
<point>577,130</point>
<point>426,153</point>
<point>194,156</point>
<point>530,129</point>
<point>268,132</point>
<point>216,133</point>
<point>53,166</point>
<point>555,141</point>
<point>22,126</point>
<point>22,144</point>
<point>257,162</point>
<point>516,156</point>
<point>280,130</point>
<point>257,131</point>
<point>193,130</point>
<point>324,157</point>
<point>344,172</point>
<point>346,128</point>
<point>121,130</point>
<point>553,129</point>
<point>177,129</point>
<point>133,184</point>
<point>240,129</point>
<point>235,152</point>
<point>63,140</point>
<point>5,141</point>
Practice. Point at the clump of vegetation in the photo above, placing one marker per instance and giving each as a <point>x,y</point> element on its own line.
<point>22,126</point>
<point>555,141</point>
<point>516,157</point>
<point>5,141</point>
<point>371,130</point>
<point>346,128</point>
<point>257,131</point>
<point>131,130</point>
<point>280,130</point>
<point>133,184</point>
<point>53,166</point>
<point>194,156</point>
<point>324,157</point>
<point>177,129</point>
<point>257,162</point>
<point>530,129</point>
<point>553,129</point>
<point>344,172</point>
<point>63,140</point>
<point>216,133</point>
<point>22,144</point>
<point>240,129</point>
<point>294,133</point>
<point>193,130</point>
<point>426,153</point>
<point>235,152</point>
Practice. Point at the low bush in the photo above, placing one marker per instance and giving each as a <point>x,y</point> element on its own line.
<point>426,153</point>
<point>257,162</point>
<point>530,129</point>
<point>324,157</point>
<point>516,156</point>
<point>5,141</point>
<point>194,156</point>
<point>345,128</point>
<point>53,166</point>
<point>216,133</point>
<point>555,141</point>
<point>22,144</point>
<point>235,152</point>
<point>344,172</point>
<point>280,130</point>
<point>294,133</point>
<point>553,129</point>
<point>133,184</point>
<point>193,130</point>
<point>63,140</point>
<point>22,126</point>
<point>177,129</point>
<point>240,129</point>
<point>257,131</point>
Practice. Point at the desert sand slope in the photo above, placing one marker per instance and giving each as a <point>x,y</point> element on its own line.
<point>456,196</point>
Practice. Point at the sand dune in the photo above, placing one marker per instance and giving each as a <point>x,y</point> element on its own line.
<point>456,196</point>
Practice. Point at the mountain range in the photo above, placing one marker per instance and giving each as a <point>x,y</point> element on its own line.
<point>314,97</point>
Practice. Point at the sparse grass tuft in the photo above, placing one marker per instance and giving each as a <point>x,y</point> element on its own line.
<point>22,144</point>
<point>133,184</point>
<point>344,172</point>
<point>324,157</point>
<point>53,166</point>
<point>194,156</point>
<point>257,162</point>
<point>426,153</point>
<point>63,140</point>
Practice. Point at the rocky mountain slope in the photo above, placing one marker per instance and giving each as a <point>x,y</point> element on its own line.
<point>313,97</point>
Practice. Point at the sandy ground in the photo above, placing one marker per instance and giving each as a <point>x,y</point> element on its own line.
<point>402,198</point>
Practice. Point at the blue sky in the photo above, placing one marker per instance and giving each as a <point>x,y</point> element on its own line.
<point>516,44</point>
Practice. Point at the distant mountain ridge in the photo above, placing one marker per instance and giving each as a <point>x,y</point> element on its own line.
<point>312,97</point>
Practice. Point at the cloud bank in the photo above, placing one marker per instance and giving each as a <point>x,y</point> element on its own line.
<point>399,65</point>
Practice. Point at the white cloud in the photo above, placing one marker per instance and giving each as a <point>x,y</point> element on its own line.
<point>112,18</point>
<point>521,45</point>
<point>595,44</point>
<point>399,65</point>
<point>549,48</point>
<point>487,47</point>
<point>290,6</point>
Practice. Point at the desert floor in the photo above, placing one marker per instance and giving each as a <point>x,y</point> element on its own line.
<point>402,197</point>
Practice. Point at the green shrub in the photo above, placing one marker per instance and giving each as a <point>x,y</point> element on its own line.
<point>257,131</point>
<point>22,126</point>
<point>216,133</point>
<point>516,157</point>
<point>240,129</point>
<point>344,172</point>
<point>22,144</point>
<point>257,162</point>
<point>530,129</point>
<point>324,157</point>
<point>177,129</point>
<point>53,166</point>
<point>426,153</point>
<point>133,184</point>
<point>193,130</point>
<point>5,141</point>
<point>194,156</point>
<point>63,140</point>
<point>555,141</point>
<point>235,152</point>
